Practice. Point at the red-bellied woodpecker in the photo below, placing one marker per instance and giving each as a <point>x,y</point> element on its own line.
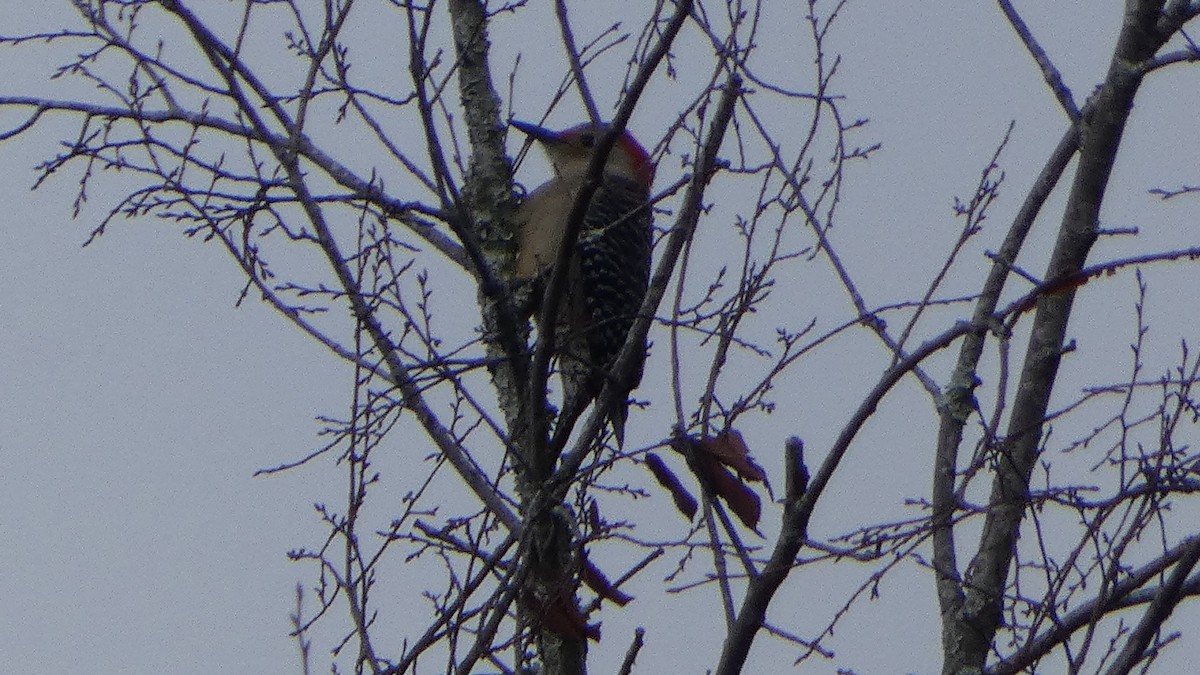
<point>610,265</point>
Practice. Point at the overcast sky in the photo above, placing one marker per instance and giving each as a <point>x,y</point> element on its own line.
<point>136,401</point>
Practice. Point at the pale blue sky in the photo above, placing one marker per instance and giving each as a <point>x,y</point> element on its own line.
<point>138,402</point>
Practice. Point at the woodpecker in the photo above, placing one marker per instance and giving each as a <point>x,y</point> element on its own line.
<point>609,268</point>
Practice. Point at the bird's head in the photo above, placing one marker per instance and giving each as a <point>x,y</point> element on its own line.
<point>570,150</point>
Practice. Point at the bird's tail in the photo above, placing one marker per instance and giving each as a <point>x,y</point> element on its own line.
<point>618,412</point>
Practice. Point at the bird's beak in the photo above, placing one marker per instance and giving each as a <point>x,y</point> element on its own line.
<point>537,133</point>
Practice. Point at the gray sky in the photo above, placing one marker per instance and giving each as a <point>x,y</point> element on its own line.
<point>138,401</point>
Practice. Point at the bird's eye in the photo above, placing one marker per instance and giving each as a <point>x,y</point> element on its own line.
<point>587,139</point>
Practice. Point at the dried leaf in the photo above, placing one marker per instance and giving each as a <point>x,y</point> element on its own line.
<point>730,449</point>
<point>744,503</point>
<point>595,580</point>
<point>684,501</point>
<point>563,617</point>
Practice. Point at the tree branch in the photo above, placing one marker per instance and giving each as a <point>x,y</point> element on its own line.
<point>1100,136</point>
